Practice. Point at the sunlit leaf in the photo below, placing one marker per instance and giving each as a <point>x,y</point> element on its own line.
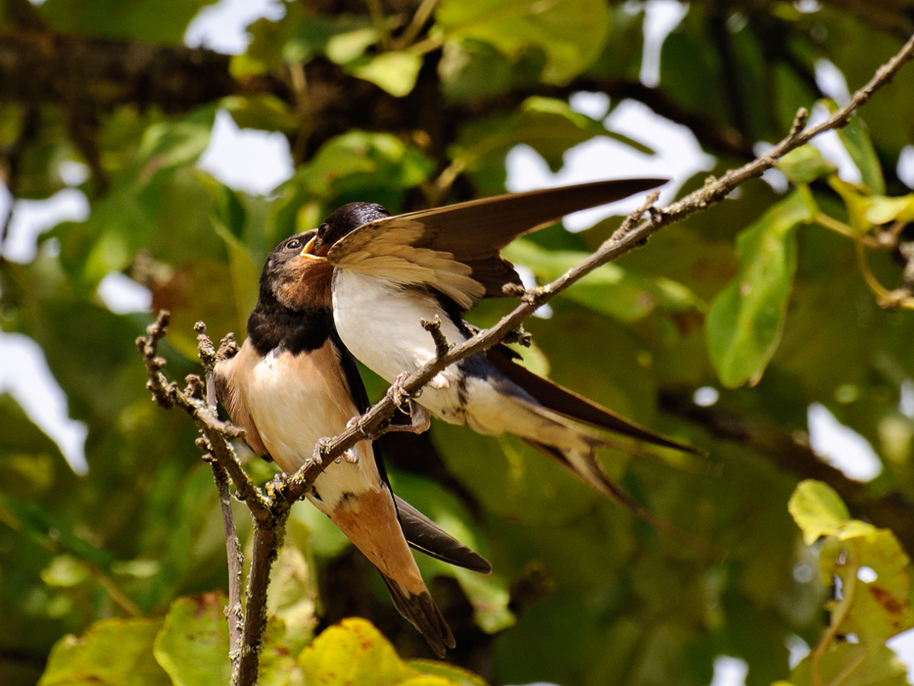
<point>856,139</point>
<point>359,160</point>
<point>146,20</point>
<point>395,72</point>
<point>571,33</point>
<point>882,210</point>
<point>853,665</point>
<point>746,319</point>
<point>354,653</point>
<point>460,677</point>
<point>817,510</point>
<point>805,164</point>
<point>193,644</point>
<point>879,607</point>
<point>113,652</point>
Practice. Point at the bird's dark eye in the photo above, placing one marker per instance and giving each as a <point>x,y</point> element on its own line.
<point>294,244</point>
<point>321,230</point>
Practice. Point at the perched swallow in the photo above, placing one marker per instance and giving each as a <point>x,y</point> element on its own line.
<point>293,382</point>
<point>391,272</point>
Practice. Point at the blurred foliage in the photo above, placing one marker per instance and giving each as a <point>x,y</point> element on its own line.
<point>777,298</point>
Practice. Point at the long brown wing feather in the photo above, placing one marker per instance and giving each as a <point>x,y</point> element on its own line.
<point>474,232</point>
<point>427,537</point>
<point>579,408</point>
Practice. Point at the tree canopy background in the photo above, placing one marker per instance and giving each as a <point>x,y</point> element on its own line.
<point>777,299</point>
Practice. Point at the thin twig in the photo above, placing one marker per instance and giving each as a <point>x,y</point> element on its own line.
<point>442,345</point>
<point>234,611</point>
<point>421,16</point>
<point>380,23</point>
<point>216,433</point>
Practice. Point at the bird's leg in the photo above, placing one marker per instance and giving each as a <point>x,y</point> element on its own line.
<point>419,419</point>
<point>317,457</point>
<point>321,448</point>
<point>397,392</point>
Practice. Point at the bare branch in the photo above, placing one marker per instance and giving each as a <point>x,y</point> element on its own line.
<point>216,433</point>
<point>442,345</point>
<point>234,613</point>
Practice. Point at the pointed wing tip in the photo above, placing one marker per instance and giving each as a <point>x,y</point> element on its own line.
<point>483,566</point>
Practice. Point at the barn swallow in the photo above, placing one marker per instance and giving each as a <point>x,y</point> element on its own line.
<point>391,272</point>
<point>292,382</point>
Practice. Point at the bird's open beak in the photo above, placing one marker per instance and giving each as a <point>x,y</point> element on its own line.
<point>308,250</point>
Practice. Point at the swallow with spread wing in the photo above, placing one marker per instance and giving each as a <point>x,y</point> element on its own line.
<point>293,382</point>
<point>390,272</point>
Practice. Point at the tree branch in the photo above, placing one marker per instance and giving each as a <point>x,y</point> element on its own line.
<point>234,613</point>
<point>270,511</point>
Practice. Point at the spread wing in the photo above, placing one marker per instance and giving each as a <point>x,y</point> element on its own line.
<point>455,249</point>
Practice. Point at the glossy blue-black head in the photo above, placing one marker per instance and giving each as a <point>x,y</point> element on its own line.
<point>342,222</point>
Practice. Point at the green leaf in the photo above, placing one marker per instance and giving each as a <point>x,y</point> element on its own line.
<point>395,72</point>
<point>746,319</point>
<point>31,464</point>
<point>354,653</point>
<point>611,289</point>
<point>856,139</point>
<point>342,38</point>
<point>278,666</point>
<point>880,607</point>
<point>817,510</point>
<point>882,210</point>
<point>460,677</point>
<point>43,526</point>
<point>359,163</point>
<point>193,645</point>
<point>805,164</point>
<point>112,652</point>
<point>570,32</point>
<point>850,664</point>
<point>150,21</point>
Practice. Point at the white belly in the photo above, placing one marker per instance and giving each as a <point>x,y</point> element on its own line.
<point>379,323</point>
<point>295,404</point>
